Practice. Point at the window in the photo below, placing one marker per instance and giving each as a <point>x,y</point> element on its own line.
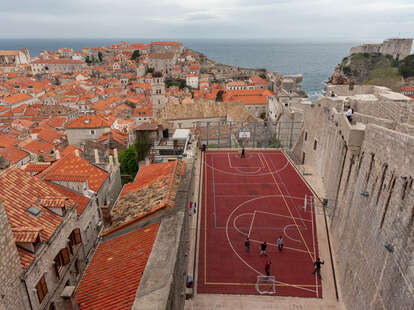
<point>61,260</point>
<point>34,211</point>
<point>41,289</point>
<point>315,145</point>
<point>306,135</point>
<point>74,239</point>
<point>92,132</point>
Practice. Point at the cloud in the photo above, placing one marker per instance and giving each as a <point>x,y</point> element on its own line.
<point>358,19</point>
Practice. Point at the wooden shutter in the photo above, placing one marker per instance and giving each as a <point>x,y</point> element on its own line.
<point>65,256</point>
<point>78,237</point>
<point>41,289</point>
<point>57,265</point>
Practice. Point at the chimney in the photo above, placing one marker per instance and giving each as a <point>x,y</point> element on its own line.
<point>106,215</point>
<point>96,156</point>
<point>116,156</point>
<point>77,152</point>
<point>57,154</point>
<point>111,162</point>
<point>147,161</point>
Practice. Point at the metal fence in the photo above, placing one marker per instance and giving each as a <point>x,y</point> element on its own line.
<point>235,134</point>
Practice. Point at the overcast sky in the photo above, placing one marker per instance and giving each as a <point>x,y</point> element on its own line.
<point>307,19</point>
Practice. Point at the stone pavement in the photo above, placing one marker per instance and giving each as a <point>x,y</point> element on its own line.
<point>244,302</point>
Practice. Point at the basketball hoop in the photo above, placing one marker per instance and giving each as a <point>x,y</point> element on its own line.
<point>266,285</point>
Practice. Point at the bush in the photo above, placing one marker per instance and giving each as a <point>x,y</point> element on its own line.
<point>346,70</point>
<point>275,142</point>
<point>406,66</point>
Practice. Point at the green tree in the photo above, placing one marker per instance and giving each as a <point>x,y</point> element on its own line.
<point>142,145</point>
<point>128,162</point>
<point>263,115</point>
<point>135,55</point>
<point>149,70</point>
<point>88,60</point>
<point>100,56</point>
<point>40,158</point>
<point>406,66</point>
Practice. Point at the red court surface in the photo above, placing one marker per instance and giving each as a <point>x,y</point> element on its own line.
<point>260,196</point>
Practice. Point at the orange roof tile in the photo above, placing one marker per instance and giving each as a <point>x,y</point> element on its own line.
<point>7,142</point>
<point>75,169</point>
<point>148,174</point>
<point>38,147</point>
<point>113,276</point>
<point>90,121</point>
<point>80,200</point>
<point>18,192</point>
<point>13,154</point>
<point>17,98</point>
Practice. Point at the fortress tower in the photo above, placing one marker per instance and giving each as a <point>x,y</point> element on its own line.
<point>399,48</point>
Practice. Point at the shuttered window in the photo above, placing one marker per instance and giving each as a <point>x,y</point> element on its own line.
<point>61,260</point>
<point>41,289</point>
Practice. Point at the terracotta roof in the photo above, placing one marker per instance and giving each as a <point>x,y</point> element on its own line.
<point>26,234</point>
<point>152,190</point>
<point>150,125</point>
<point>90,121</point>
<point>13,154</point>
<point>38,147</point>
<point>36,167</point>
<point>7,142</point>
<point>17,98</point>
<point>80,200</point>
<point>258,80</point>
<point>19,191</point>
<point>113,276</point>
<point>75,169</point>
<point>57,61</point>
<point>70,149</point>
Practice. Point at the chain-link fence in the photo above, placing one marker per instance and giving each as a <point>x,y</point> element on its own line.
<point>261,134</point>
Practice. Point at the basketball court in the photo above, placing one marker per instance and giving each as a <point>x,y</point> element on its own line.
<point>260,197</point>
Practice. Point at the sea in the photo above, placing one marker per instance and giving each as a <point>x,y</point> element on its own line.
<point>314,59</point>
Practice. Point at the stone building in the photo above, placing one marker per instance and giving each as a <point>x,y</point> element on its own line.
<point>56,65</point>
<point>46,246</point>
<point>367,173</point>
<point>11,60</point>
<point>158,97</point>
<point>88,127</point>
<point>162,62</point>
<point>399,48</point>
<point>141,261</point>
<point>165,46</point>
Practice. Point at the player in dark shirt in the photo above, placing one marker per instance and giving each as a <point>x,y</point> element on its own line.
<point>317,265</point>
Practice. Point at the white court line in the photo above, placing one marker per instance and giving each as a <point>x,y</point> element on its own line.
<point>237,254</point>
<point>284,231</point>
<point>230,183</point>
<point>290,217</point>
<point>247,174</point>
<point>262,196</point>
<point>214,195</point>
<point>284,247</point>
<point>314,256</point>
<point>251,224</point>
<point>238,168</point>
<point>234,222</point>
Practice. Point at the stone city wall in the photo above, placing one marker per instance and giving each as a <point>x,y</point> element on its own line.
<point>372,226</point>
